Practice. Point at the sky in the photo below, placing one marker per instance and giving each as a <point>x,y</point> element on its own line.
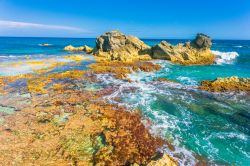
<point>177,19</point>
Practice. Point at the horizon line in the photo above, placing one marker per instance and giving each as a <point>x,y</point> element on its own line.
<point>160,38</point>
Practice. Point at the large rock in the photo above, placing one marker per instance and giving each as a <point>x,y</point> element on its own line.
<point>195,53</point>
<point>202,41</point>
<point>228,84</point>
<point>115,45</point>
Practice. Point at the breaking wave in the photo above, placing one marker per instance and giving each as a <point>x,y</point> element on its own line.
<point>225,57</point>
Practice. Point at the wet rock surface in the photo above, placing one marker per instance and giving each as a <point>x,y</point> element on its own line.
<point>61,121</point>
<point>228,84</point>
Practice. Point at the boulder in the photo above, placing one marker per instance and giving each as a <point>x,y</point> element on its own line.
<point>227,84</point>
<point>202,41</point>
<point>165,160</point>
<point>78,49</point>
<point>195,53</point>
<point>115,45</point>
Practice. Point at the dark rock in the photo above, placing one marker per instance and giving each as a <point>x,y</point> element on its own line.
<point>202,41</point>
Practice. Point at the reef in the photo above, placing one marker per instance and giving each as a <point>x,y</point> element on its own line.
<point>85,48</point>
<point>120,70</point>
<point>196,52</point>
<point>53,118</point>
<point>228,84</point>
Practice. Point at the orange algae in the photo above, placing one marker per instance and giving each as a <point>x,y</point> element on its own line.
<point>74,127</point>
<point>66,126</point>
<point>121,69</point>
<point>77,58</point>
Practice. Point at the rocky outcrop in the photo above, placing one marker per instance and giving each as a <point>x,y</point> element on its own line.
<point>228,84</point>
<point>195,53</point>
<point>85,48</point>
<point>115,45</point>
<point>165,160</point>
<point>202,41</point>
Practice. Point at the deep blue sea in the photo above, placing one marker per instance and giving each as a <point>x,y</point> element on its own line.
<point>215,126</point>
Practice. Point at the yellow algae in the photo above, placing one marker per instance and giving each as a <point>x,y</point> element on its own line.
<point>58,87</point>
<point>38,85</point>
<point>50,67</point>
<point>68,74</point>
<point>77,58</point>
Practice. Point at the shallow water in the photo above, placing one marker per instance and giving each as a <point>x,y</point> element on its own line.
<point>214,126</point>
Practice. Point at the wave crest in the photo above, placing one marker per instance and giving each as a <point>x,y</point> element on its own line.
<point>225,57</point>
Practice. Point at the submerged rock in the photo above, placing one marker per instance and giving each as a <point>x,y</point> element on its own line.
<point>195,53</point>
<point>115,45</point>
<point>81,48</point>
<point>228,84</point>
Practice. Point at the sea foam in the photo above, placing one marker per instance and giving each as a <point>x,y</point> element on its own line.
<point>225,57</point>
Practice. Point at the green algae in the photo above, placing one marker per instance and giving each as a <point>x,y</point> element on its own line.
<point>2,120</point>
<point>7,110</point>
<point>60,119</point>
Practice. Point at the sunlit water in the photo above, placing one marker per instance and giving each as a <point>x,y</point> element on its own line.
<point>210,125</point>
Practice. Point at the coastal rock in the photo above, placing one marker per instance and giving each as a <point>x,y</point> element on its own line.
<point>228,84</point>
<point>85,48</point>
<point>165,160</point>
<point>195,53</point>
<point>115,45</point>
<point>202,41</point>
<point>165,80</point>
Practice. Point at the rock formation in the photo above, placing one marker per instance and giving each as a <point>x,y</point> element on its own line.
<point>195,53</point>
<point>228,84</point>
<point>202,41</point>
<point>115,45</point>
<point>166,160</point>
<point>85,48</point>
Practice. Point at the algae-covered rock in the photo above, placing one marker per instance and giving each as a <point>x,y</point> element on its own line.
<point>227,84</point>
<point>165,160</point>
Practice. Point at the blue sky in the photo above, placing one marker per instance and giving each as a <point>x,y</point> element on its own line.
<point>221,19</point>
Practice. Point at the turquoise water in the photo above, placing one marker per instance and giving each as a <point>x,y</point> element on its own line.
<point>210,125</point>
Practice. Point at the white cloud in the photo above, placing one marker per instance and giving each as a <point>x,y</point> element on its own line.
<point>23,25</point>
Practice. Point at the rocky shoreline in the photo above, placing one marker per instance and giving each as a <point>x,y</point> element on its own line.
<point>55,119</point>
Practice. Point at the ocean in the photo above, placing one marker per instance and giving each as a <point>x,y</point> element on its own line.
<point>214,126</point>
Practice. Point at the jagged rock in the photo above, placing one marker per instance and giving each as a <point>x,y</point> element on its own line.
<point>202,41</point>
<point>81,48</point>
<point>228,84</point>
<point>196,53</point>
<point>165,160</point>
<point>115,45</point>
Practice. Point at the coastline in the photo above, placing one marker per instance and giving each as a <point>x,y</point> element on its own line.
<point>55,105</point>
